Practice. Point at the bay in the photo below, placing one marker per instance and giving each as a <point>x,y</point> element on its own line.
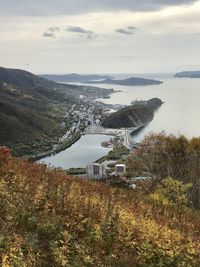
<point>180,113</point>
<point>86,150</point>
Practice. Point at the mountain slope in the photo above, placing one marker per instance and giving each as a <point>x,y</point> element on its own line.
<point>50,219</point>
<point>30,110</point>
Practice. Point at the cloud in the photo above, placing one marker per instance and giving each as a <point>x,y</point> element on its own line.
<point>52,32</point>
<point>130,30</point>
<point>76,29</point>
<point>54,29</point>
<point>56,32</point>
<point>49,35</point>
<point>58,7</point>
<point>82,32</point>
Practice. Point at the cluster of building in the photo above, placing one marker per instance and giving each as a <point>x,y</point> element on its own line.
<point>118,177</point>
<point>100,171</point>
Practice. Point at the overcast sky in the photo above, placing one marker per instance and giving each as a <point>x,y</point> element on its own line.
<point>100,36</point>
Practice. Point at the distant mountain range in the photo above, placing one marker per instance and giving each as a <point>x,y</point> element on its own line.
<point>137,115</point>
<point>99,79</point>
<point>188,74</point>
<point>128,82</point>
<point>70,78</point>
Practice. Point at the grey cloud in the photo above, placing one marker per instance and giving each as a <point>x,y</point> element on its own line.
<point>130,30</point>
<point>51,32</point>
<point>49,35</point>
<point>76,29</point>
<point>46,7</point>
<point>54,29</point>
<point>82,32</point>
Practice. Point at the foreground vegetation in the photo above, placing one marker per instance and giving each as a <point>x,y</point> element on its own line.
<point>50,219</point>
<point>160,156</point>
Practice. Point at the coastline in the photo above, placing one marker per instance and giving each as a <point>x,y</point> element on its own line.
<point>60,147</point>
<point>124,135</point>
<point>68,143</point>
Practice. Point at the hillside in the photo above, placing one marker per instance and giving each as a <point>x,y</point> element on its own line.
<point>70,78</point>
<point>188,74</point>
<point>128,82</point>
<point>50,219</point>
<point>31,110</point>
<point>137,115</point>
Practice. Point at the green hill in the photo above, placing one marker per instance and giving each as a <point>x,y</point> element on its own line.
<point>137,115</point>
<point>31,109</point>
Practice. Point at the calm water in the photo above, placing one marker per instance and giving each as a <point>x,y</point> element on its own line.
<point>180,114</point>
<point>88,149</point>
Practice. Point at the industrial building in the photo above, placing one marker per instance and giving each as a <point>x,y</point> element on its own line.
<point>96,171</point>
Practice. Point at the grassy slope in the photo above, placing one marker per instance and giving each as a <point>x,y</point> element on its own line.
<point>50,219</point>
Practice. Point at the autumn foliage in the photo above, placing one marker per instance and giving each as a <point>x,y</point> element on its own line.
<point>161,156</point>
<point>50,219</point>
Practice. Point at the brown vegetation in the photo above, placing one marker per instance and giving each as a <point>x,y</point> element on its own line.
<point>50,219</point>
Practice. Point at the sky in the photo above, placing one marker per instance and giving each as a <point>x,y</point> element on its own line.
<point>100,36</point>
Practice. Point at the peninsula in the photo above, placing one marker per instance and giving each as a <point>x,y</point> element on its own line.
<point>137,115</point>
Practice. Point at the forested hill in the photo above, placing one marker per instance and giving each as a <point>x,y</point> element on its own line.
<point>30,109</point>
<point>137,115</point>
<point>23,79</point>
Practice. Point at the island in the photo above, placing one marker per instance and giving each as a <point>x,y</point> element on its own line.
<point>127,82</point>
<point>188,74</point>
<point>137,115</point>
